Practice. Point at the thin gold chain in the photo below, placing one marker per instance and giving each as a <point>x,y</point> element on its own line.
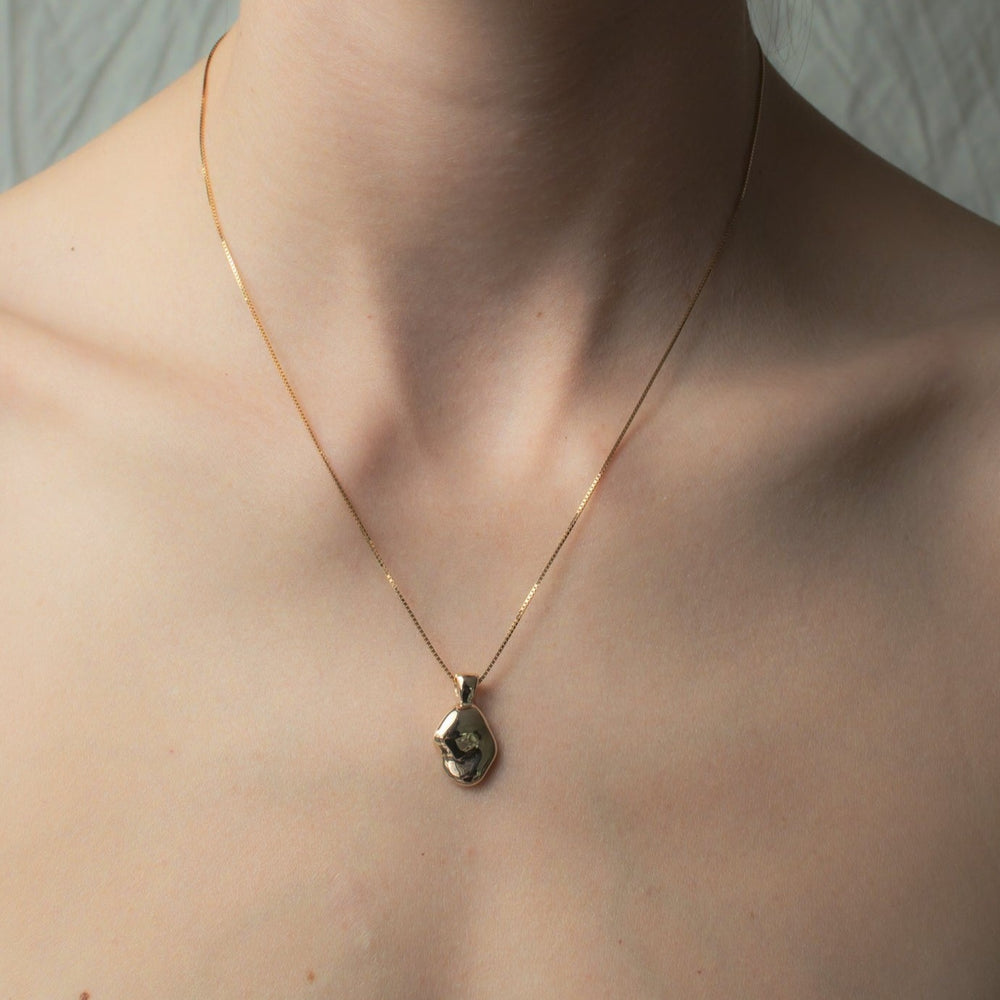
<point>237,274</point>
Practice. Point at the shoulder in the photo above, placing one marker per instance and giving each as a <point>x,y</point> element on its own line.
<point>105,309</point>
<point>115,385</point>
<point>869,273</point>
<point>879,331</point>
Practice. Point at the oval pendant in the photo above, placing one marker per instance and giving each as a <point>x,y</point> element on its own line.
<point>467,744</point>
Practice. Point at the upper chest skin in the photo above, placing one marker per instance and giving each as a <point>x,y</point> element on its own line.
<point>745,730</point>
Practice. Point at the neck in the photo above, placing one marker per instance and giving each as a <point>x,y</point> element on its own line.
<point>462,181</point>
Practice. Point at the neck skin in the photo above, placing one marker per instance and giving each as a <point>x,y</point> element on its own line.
<point>481,201</point>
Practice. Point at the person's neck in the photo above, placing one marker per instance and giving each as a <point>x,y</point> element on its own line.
<point>464,183</point>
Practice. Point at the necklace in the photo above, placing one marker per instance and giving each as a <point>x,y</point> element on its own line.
<point>465,739</point>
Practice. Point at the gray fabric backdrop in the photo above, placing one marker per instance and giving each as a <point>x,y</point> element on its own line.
<point>918,81</point>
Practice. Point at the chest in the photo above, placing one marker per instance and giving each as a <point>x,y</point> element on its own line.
<point>735,760</point>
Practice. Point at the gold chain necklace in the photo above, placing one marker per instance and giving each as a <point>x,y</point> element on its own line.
<point>467,744</point>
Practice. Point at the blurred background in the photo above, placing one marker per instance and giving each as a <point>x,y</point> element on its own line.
<point>918,81</point>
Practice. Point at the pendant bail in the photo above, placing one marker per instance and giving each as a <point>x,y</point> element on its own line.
<point>465,687</point>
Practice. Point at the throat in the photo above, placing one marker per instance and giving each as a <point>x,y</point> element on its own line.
<point>445,161</point>
<point>447,330</point>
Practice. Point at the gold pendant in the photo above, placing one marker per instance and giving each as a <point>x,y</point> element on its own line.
<point>465,739</point>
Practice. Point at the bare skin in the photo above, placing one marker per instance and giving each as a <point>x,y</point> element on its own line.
<point>748,728</point>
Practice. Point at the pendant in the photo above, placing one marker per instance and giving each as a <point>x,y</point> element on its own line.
<point>465,739</point>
